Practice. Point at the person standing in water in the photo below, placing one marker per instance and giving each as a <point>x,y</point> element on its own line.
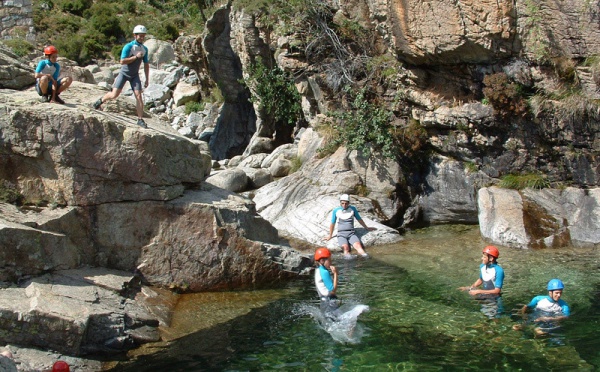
<point>548,310</point>
<point>491,279</point>
<point>132,57</point>
<point>326,281</point>
<point>344,215</point>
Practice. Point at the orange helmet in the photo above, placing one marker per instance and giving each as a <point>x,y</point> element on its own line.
<point>322,253</point>
<point>491,250</point>
<point>50,49</point>
<point>60,366</point>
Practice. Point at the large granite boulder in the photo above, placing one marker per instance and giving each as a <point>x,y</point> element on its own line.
<point>208,239</point>
<point>74,155</point>
<point>14,74</point>
<point>546,218</point>
<point>300,204</point>
<point>76,312</point>
<point>450,193</point>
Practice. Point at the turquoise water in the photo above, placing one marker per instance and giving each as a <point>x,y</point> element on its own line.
<point>418,320</point>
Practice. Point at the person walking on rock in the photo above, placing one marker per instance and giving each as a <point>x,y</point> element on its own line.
<point>132,56</point>
<point>344,215</point>
<point>47,82</point>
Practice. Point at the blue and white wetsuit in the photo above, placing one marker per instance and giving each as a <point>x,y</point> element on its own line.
<point>47,67</point>
<point>549,306</point>
<point>492,276</point>
<point>130,72</point>
<point>324,284</point>
<point>345,228</point>
<point>323,281</point>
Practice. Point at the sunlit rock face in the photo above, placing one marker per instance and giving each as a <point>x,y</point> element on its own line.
<point>547,218</point>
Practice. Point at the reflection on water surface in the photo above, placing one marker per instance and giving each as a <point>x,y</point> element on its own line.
<point>418,320</point>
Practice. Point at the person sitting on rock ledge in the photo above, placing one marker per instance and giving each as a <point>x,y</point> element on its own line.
<point>132,56</point>
<point>344,215</point>
<point>47,82</point>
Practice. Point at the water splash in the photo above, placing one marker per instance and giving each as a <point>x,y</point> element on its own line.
<point>342,325</point>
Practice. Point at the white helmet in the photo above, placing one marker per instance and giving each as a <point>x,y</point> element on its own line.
<point>345,197</point>
<point>140,29</point>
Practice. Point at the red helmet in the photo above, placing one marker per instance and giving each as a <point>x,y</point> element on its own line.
<point>50,49</point>
<point>322,253</point>
<point>491,250</point>
<point>60,366</point>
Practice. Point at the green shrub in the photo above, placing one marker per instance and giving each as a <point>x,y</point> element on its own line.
<point>366,125</point>
<point>296,164</point>
<point>81,48</point>
<point>9,193</point>
<point>521,181</point>
<point>166,31</point>
<point>193,107</point>
<point>115,52</point>
<point>19,47</point>
<point>471,167</point>
<point>277,94</point>
<point>102,19</point>
<point>76,7</point>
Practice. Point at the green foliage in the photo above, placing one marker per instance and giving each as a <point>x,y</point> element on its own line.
<point>70,23</point>
<point>538,38</point>
<point>521,181</point>
<point>20,47</point>
<point>81,48</point>
<point>193,107</point>
<point>9,193</point>
<point>364,127</point>
<point>471,167</point>
<point>276,93</point>
<point>166,30</point>
<point>115,52</point>
<point>76,7</point>
<point>296,164</point>
<point>216,96</point>
<point>102,19</point>
<point>505,96</point>
<point>362,190</point>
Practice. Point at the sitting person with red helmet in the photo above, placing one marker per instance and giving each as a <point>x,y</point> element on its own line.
<point>491,279</point>
<point>325,283</point>
<point>47,82</point>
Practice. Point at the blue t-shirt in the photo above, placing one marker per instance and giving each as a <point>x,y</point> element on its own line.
<point>129,50</point>
<point>492,276</point>
<point>345,217</point>
<point>547,304</point>
<point>47,67</point>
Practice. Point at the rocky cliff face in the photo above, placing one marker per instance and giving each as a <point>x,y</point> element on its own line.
<point>114,195</point>
<point>443,52</point>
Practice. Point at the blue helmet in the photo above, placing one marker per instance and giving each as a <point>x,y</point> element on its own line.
<point>555,284</point>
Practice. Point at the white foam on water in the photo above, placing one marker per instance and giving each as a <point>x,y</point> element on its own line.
<point>343,324</point>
